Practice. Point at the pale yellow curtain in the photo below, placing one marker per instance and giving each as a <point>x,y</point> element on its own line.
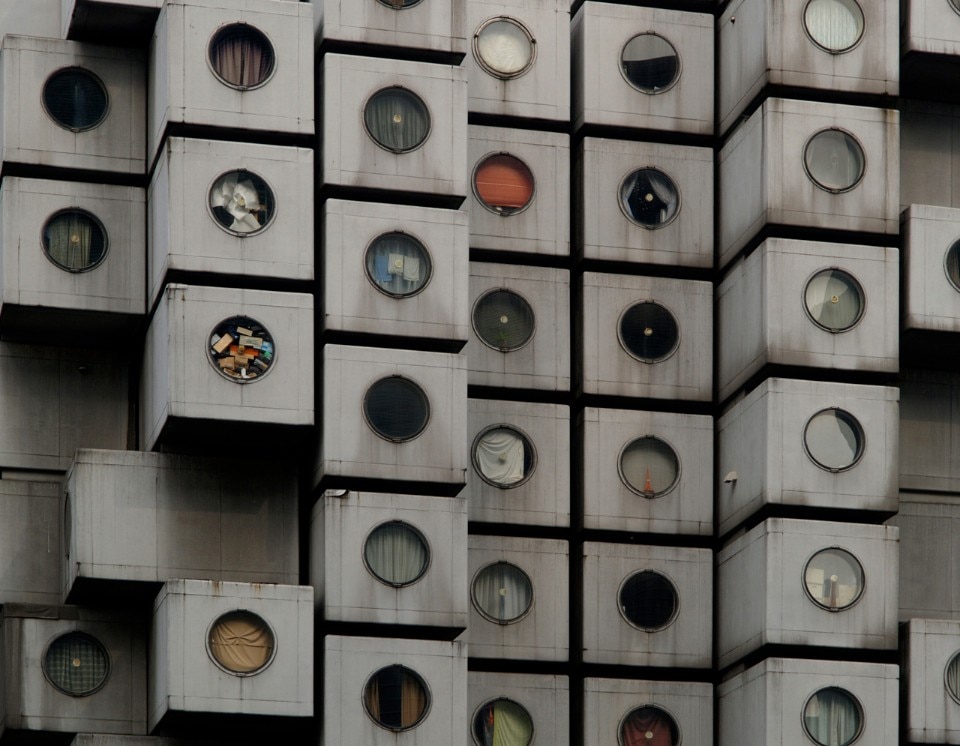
<point>69,238</point>
<point>413,701</point>
<point>241,643</point>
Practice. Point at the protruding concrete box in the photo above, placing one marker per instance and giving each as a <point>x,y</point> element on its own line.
<point>536,491</point>
<point>429,28</point>
<point>353,301</point>
<point>349,663</point>
<point>932,709</point>
<point>350,156</point>
<point>187,676</point>
<point>929,42</point>
<point>147,517</point>
<point>602,93</point>
<point>607,229</point>
<point>29,542</point>
<point>105,20</point>
<point>182,388</point>
<point>186,237</point>
<point>764,179</point>
<point>769,446</point>
<point>344,553</point>
<point>931,301</point>
<point>684,370</point>
<point>777,606</point>
<point>185,87</point>
<point>775,309</point>
<point>617,496</point>
<point>766,704</point>
<point>538,632</point>
<point>31,136</point>
<point>766,43</point>
<point>545,698</point>
<point>112,703</point>
<point>684,640</point>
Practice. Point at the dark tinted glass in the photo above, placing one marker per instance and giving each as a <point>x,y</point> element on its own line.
<point>650,63</point>
<point>74,240</point>
<point>503,320</point>
<point>396,698</point>
<point>75,99</point>
<point>76,664</point>
<point>396,408</point>
<point>650,197</point>
<point>648,600</point>
<point>649,331</point>
<point>397,119</point>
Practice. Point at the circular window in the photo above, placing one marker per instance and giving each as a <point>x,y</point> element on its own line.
<point>503,456</point>
<point>241,56</point>
<point>833,439</point>
<point>834,160</point>
<point>503,722</point>
<point>951,677</point>
<point>241,203</point>
<point>75,99</point>
<point>833,579</point>
<point>649,466</point>
<point>503,320</point>
<point>399,4</point>
<point>504,47</point>
<point>76,664</point>
<point>396,554</point>
<point>241,643</point>
<point>832,717</point>
<point>649,198</point>
<point>398,265</point>
<point>502,593</point>
<point>397,119</point>
<point>649,725</point>
<point>74,240</point>
<point>648,600</point>
<point>503,184</point>
<point>650,63</point>
<point>396,409</point>
<point>241,349</point>
<point>396,698</point>
<point>834,300</point>
<point>834,25</point>
<point>649,332</point>
<point>951,263</point>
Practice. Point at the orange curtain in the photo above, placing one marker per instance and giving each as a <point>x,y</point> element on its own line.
<point>413,701</point>
<point>503,181</point>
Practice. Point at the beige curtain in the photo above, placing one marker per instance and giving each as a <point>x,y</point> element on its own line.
<point>500,456</point>
<point>413,701</point>
<point>241,61</point>
<point>373,697</point>
<point>241,643</point>
<point>69,239</point>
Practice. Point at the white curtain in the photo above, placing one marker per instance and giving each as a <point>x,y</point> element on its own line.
<point>397,264</point>
<point>503,591</point>
<point>832,717</point>
<point>500,456</point>
<point>396,119</point>
<point>832,441</point>
<point>833,300</point>
<point>395,553</point>
<point>834,24</point>
<point>69,240</point>
<point>504,47</point>
<point>241,201</point>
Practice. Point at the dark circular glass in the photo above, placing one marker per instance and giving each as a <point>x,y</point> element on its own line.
<point>834,25</point>
<point>241,202</point>
<point>396,698</point>
<point>650,63</point>
<point>834,160</point>
<point>504,48</point>
<point>75,99</point>
<point>399,4</point>
<point>502,592</point>
<point>833,717</point>
<point>74,240</point>
<point>951,677</point>
<point>76,664</point>
<point>240,642</point>
<point>396,408</point>
<point>834,439</point>
<point>834,300</point>
<point>649,332</point>
<point>503,320</point>
<point>241,56</point>
<point>396,554</point>
<point>241,349</point>
<point>503,456</point>
<point>834,579</point>
<point>650,198</point>
<point>649,725</point>
<point>503,184</point>
<point>397,119</point>
<point>649,466</point>
<point>503,722</point>
<point>398,264</point>
<point>952,262</point>
<point>648,600</point>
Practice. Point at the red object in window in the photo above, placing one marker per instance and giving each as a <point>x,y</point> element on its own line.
<point>504,182</point>
<point>647,727</point>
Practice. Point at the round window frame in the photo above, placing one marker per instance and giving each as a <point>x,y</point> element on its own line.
<point>494,620</point>
<point>831,609</point>
<point>528,442</point>
<point>634,86</point>
<point>623,344</point>
<point>857,703</point>
<point>490,70</point>
<point>859,429</point>
<point>953,244</point>
<point>95,641</point>
<point>241,381</point>
<point>96,221</point>
<point>418,533</point>
<point>661,708</point>
<point>398,8</point>
<point>426,420</point>
<point>413,237</point>
<point>641,493</point>
<point>426,690</point>
<point>273,197</point>
<point>817,184</point>
<point>241,674</point>
<point>273,48</point>
<point>473,324</point>
<point>856,284</point>
<point>96,79</point>
<point>828,50</point>
<point>676,595</point>
<point>955,696</point>
<point>492,700</point>
<point>626,211</point>
<point>375,141</point>
<point>490,208</point>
